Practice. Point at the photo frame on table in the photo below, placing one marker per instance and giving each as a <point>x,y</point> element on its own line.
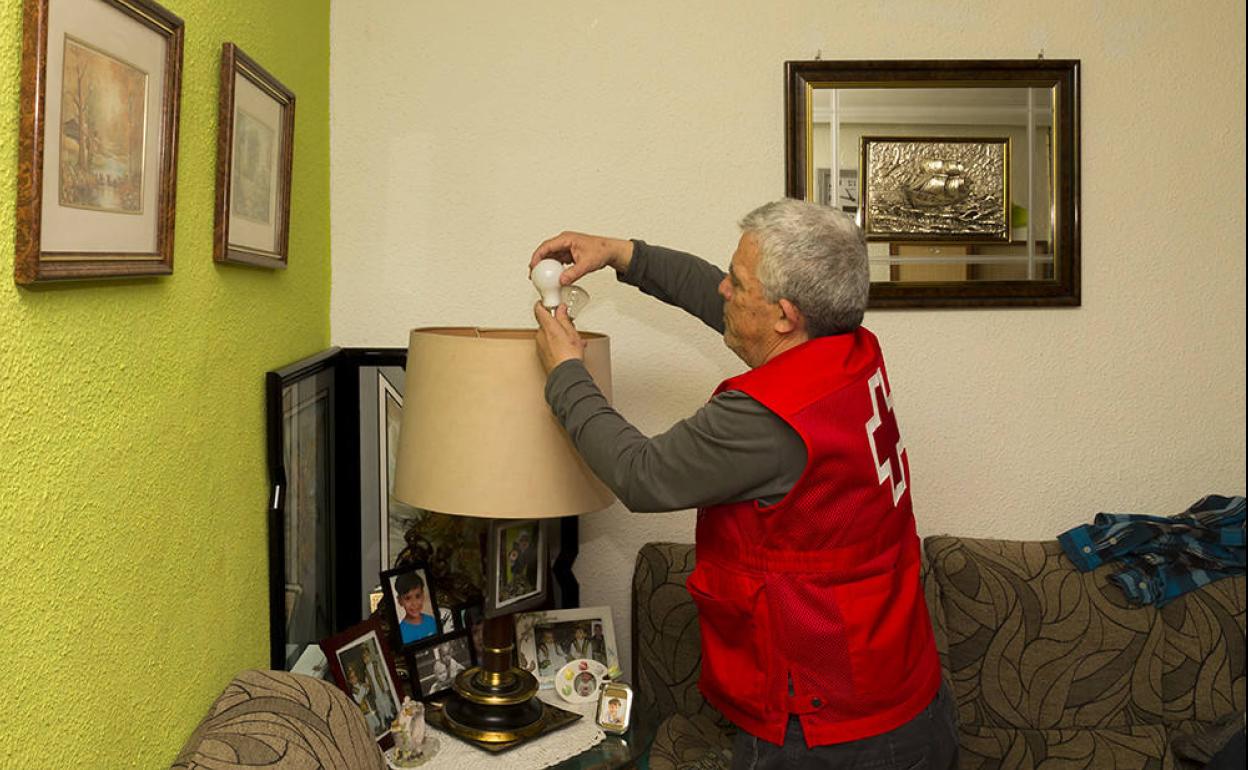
<point>360,662</point>
<point>255,155</point>
<point>517,565</point>
<point>433,666</point>
<point>101,84</point>
<point>930,189</point>
<point>549,639</point>
<point>409,592</point>
<point>615,708</point>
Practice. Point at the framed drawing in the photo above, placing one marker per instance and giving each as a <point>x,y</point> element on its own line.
<point>98,141</point>
<point>936,189</point>
<point>255,152</point>
<point>361,665</point>
<point>547,640</point>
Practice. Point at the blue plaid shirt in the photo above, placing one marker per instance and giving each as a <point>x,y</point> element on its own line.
<point>1163,557</point>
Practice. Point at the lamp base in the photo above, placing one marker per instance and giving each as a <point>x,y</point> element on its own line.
<point>494,707</point>
<point>553,718</point>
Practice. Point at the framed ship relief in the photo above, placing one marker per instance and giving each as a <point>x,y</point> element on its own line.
<point>255,140</point>
<point>97,147</point>
<point>935,189</point>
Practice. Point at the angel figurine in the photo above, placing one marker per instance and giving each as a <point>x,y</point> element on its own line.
<point>408,729</point>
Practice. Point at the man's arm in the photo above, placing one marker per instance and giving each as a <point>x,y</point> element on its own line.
<point>683,280</point>
<point>732,449</point>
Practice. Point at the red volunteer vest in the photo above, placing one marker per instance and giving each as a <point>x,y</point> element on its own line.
<point>821,589</point>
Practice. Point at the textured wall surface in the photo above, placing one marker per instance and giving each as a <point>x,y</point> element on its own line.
<point>132,498</point>
<point>496,125</point>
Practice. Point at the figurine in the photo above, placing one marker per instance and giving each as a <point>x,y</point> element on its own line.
<point>409,734</point>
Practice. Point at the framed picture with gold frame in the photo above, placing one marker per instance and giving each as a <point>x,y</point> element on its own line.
<point>255,155</point>
<point>98,141</point>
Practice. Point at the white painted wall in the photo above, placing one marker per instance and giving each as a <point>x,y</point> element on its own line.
<point>463,134</point>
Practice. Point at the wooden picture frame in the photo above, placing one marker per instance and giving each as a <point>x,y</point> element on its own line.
<point>830,104</point>
<point>97,155</point>
<point>255,156</point>
<point>371,684</point>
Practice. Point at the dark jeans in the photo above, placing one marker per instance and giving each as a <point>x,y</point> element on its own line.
<point>930,740</point>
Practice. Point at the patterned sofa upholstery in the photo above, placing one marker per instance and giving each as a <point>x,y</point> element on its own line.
<point>275,719</point>
<point>1049,666</point>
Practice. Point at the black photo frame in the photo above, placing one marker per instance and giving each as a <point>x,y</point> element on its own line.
<point>392,586</point>
<point>340,536</point>
<point>426,677</point>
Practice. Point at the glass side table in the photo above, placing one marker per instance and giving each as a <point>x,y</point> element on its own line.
<point>615,752</point>
<point>628,750</point>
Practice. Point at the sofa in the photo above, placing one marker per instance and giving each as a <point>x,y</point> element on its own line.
<point>1049,666</point>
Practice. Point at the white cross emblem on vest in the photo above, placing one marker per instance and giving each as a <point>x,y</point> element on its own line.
<point>884,437</point>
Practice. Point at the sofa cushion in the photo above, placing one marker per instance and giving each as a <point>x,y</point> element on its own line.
<point>1138,746</point>
<point>691,743</point>
<point>1035,644</point>
<point>275,719</point>
<point>1202,676</point>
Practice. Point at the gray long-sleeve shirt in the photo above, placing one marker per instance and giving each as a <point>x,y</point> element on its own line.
<point>733,448</point>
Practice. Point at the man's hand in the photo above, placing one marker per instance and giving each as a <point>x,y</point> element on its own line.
<point>557,338</point>
<point>586,253</point>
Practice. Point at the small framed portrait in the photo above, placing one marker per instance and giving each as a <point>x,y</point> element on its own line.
<point>517,566</point>
<point>255,140</point>
<point>412,606</point>
<point>615,707</point>
<point>547,640</point>
<point>438,663</point>
<point>360,662</point>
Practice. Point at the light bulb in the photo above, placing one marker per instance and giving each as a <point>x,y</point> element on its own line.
<point>575,298</point>
<point>545,278</point>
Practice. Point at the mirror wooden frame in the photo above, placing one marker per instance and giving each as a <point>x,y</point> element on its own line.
<point>802,77</point>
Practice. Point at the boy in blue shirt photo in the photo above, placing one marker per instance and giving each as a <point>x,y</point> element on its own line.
<point>414,623</point>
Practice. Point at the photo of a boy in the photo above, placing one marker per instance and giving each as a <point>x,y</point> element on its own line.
<point>615,714</point>
<point>415,620</point>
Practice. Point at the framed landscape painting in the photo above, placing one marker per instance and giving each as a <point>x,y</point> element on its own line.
<point>255,139</point>
<point>97,144</point>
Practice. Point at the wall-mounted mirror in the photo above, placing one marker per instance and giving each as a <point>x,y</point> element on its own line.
<point>963,174</point>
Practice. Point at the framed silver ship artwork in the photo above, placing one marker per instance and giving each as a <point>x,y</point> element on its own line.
<point>925,189</point>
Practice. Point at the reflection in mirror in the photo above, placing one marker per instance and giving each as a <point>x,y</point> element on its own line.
<point>958,182</point>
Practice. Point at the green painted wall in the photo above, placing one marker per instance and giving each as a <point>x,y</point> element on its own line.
<point>132,475</point>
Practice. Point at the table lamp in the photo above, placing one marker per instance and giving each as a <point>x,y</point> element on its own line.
<point>478,439</point>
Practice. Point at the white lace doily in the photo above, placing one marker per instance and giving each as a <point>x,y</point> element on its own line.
<point>547,750</point>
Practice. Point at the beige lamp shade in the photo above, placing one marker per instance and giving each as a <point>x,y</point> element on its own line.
<point>477,437</point>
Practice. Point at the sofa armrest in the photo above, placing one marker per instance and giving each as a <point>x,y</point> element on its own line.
<point>667,646</point>
<point>275,719</point>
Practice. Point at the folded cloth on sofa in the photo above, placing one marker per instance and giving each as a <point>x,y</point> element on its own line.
<point>1163,557</point>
